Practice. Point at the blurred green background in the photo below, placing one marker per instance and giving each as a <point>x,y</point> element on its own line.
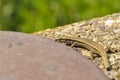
<point>35,15</point>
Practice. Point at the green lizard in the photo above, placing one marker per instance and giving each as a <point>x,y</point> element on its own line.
<point>89,44</point>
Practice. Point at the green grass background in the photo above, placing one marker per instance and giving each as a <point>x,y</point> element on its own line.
<point>35,15</point>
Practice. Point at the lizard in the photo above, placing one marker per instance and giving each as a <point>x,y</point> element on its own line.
<point>90,45</point>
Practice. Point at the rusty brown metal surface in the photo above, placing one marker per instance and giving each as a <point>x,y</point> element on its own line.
<point>28,57</point>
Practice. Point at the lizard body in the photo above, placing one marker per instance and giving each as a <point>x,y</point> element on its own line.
<point>91,45</point>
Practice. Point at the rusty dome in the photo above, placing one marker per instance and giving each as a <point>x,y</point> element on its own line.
<point>28,57</point>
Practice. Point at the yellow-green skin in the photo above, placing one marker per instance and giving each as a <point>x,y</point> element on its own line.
<point>89,44</point>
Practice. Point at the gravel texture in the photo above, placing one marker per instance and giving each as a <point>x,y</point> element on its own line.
<point>104,30</point>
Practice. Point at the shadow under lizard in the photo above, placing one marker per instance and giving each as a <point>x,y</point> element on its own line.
<point>89,44</point>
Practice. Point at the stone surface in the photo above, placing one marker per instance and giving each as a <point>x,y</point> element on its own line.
<point>28,57</point>
<point>103,30</point>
